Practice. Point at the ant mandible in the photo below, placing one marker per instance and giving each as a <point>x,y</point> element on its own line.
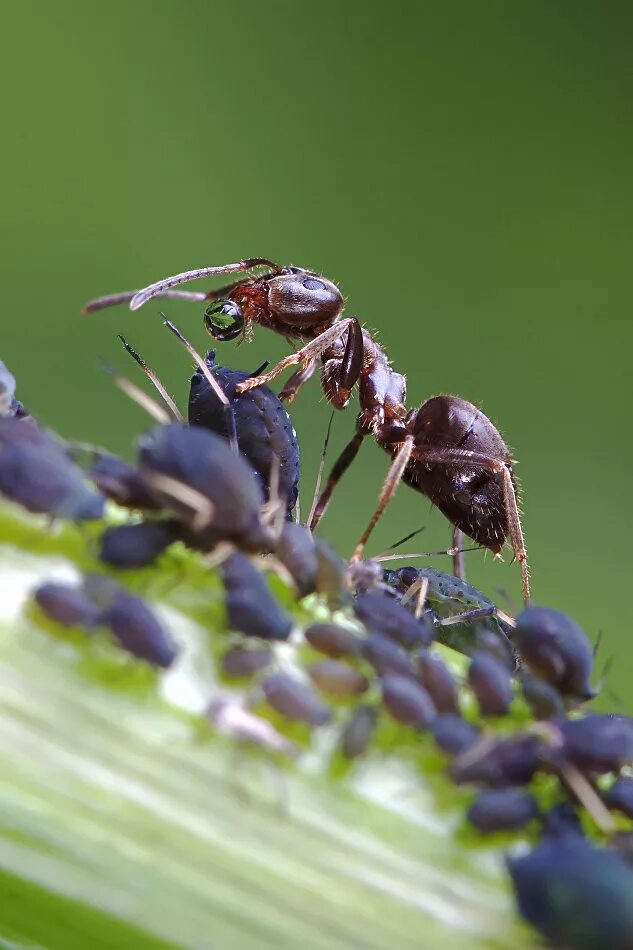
<point>447,449</point>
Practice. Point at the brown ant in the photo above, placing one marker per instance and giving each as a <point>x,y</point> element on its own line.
<point>447,449</point>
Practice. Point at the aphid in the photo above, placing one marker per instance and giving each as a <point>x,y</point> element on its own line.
<point>137,545</point>
<point>406,701</point>
<point>437,679</point>
<point>333,641</point>
<point>499,762</point>
<point>561,820</point>
<point>447,449</point>
<point>244,662</point>
<point>491,683</point>
<point>386,656</point>
<point>122,482</point>
<point>454,735</point>
<point>331,576</point>
<point>597,743</point>
<point>544,700</point>
<point>502,809</point>
<point>337,679</point>
<point>576,895</point>
<point>36,473</point>
<point>358,731</point>
<point>196,475</point>
<point>265,434</point>
<point>250,606</point>
<point>461,612</point>
<point>7,391</point>
<point>66,604</point>
<point>620,796</point>
<point>295,699</point>
<point>556,650</point>
<point>233,720</point>
<point>382,614</point>
<point>296,550</point>
<point>139,631</point>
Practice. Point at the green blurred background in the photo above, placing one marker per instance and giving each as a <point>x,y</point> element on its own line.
<point>462,169</point>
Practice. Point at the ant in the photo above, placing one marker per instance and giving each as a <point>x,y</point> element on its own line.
<point>447,448</point>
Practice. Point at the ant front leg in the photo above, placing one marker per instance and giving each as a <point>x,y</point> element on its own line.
<point>296,381</point>
<point>311,351</point>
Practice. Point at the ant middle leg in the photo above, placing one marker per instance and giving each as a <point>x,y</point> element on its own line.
<point>459,565</point>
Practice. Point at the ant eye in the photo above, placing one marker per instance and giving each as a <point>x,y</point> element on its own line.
<point>225,322</point>
<point>311,283</point>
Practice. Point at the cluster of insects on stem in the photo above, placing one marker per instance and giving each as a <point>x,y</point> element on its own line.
<point>447,449</point>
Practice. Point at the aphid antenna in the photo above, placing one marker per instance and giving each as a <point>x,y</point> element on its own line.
<point>137,395</point>
<point>597,644</point>
<point>154,380</point>
<point>202,508</point>
<point>210,378</point>
<point>317,486</point>
<point>407,537</point>
<point>449,552</point>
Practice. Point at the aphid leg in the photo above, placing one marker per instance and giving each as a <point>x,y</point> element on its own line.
<point>142,399</point>
<point>157,289</point>
<point>201,508</point>
<point>339,468</point>
<point>154,380</point>
<point>310,351</point>
<point>479,613</point>
<point>391,482</point>
<point>418,590</point>
<point>296,381</point>
<point>212,381</point>
<point>113,300</point>
<point>459,566</point>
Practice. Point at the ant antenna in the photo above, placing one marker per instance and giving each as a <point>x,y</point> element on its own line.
<point>317,487</point>
<point>153,378</point>
<point>137,395</point>
<point>161,286</point>
<point>113,300</point>
<point>212,381</point>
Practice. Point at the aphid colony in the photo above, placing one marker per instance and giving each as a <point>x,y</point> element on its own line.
<point>225,483</point>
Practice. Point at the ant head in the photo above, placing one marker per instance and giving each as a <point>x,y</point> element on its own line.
<point>225,322</point>
<point>300,298</point>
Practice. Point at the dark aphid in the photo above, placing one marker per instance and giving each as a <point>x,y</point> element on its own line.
<point>331,576</point>
<point>295,549</point>
<point>244,662</point>
<point>337,679</point>
<point>407,702</point>
<point>499,762</point>
<point>453,735</point>
<point>36,473</point>
<point>543,699</point>
<point>576,895</point>
<point>386,656</point>
<point>138,630</point>
<point>295,699</point>
<point>265,434</point>
<point>556,650</point>
<point>122,482</point>
<point>358,731</point>
<point>333,641</point>
<point>67,605</point>
<point>620,796</point>
<point>224,497</point>
<point>502,809</point>
<point>491,683</point>
<point>437,679</point>
<point>449,597</point>
<point>382,614</point>
<point>499,647</point>
<point>136,545</point>
<point>250,606</point>
<point>561,820</point>
<point>598,743</point>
